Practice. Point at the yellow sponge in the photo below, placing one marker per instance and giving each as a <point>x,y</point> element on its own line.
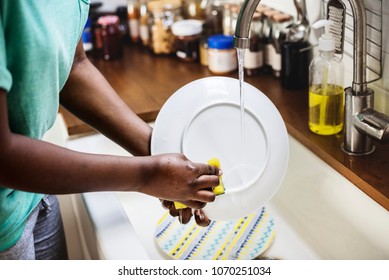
<point>179,205</point>
<point>218,190</point>
<point>214,162</point>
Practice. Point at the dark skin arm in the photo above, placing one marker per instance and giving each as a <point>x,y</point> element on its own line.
<point>36,166</point>
<point>108,113</point>
<point>89,96</point>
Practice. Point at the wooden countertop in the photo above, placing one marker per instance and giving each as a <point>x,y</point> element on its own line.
<point>146,81</point>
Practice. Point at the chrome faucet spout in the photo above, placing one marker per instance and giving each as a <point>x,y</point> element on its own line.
<point>360,45</point>
<point>242,31</point>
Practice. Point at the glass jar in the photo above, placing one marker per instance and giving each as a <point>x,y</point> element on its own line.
<point>133,19</point>
<point>213,18</point>
<point>121,12</point>
<point>194,9</point>
<point>144,33</point>
<point>227,19</point>
<point>267,36</point>
<point>235,9</point>
<point>222,57</point>
<point>204,51</point>
<point>279,22</point>
<point>163,14</point>
<point>111,37</point>
<point>187,39</point>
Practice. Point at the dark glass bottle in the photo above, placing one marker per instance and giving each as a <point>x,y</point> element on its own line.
<point>111,37</point>
<point>213,18</point>
<point>295,57</point>
<point>121,12</point>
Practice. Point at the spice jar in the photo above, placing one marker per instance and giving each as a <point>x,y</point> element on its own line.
<point>193,9</point>
<point>204,51</point>
<point>235,9</point>
<point>163,14</point>
<point>187,39</point>
<point>267,30</point>
<point>213,17</point>
<point>144,23</point>
<point>227,19</point>
<point>133,19</point>
<point>222,57</point>
<point>111,37</point>
<point>279,23</point>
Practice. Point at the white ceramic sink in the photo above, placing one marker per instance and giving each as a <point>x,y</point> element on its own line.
<point>318,214</point>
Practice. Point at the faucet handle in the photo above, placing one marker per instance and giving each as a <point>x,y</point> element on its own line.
<point>374,124</point>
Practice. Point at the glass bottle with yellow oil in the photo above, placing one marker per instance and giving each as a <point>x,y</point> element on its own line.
<point>326,94</point>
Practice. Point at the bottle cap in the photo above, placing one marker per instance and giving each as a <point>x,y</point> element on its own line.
<point>221,42</point>
<point>108,20</point>
<point>326,41</point>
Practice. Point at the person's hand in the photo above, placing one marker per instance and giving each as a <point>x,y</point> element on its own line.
<point>185,215</point>
<point>173,177</point>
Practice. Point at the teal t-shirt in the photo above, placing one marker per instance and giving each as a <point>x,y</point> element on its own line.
<point>38,39</point>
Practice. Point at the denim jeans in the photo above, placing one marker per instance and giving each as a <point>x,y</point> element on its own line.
<point>43,237</point>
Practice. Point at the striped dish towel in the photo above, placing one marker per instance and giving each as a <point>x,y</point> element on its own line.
<point>241,239</point>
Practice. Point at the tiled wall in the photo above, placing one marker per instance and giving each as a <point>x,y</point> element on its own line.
<point>314,7</point>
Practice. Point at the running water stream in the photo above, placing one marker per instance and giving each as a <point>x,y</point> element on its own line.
<point>240,54</point>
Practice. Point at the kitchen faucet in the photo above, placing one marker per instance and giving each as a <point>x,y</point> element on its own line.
<point>362,122</point>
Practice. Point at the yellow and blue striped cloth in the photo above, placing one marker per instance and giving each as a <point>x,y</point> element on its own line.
<point>244,238</point>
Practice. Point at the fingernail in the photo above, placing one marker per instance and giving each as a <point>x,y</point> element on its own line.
<point>200,214</point>
<point>180,216</point>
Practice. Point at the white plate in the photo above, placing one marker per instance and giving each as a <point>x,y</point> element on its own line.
<point>203,120</point>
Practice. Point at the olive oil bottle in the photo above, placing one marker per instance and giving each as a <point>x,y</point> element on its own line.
<point>326,94</point>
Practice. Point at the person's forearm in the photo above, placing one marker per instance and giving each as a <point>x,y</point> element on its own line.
<point>36,166</point>
<point>89,96</point>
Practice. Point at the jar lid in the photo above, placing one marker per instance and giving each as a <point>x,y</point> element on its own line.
<point>187,27</point>
<point>108,20</point>
<point>158,6</point>
<point>221,42</point>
